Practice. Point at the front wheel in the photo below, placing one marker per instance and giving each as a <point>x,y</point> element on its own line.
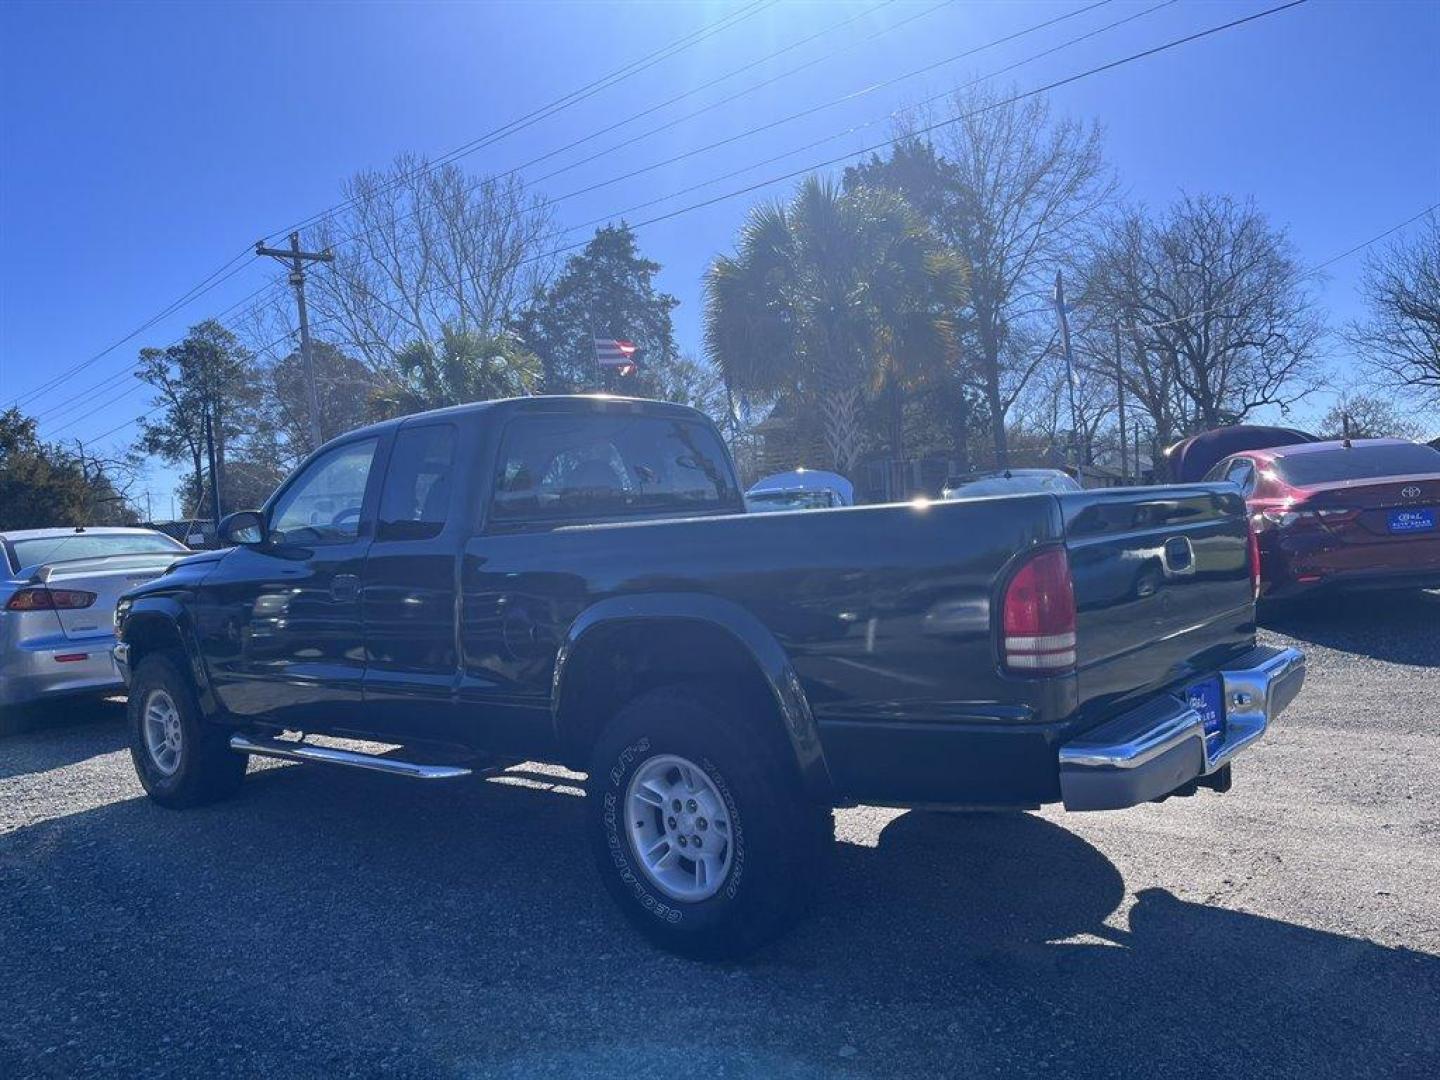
<point>701,830</point>
<point>180,758</point>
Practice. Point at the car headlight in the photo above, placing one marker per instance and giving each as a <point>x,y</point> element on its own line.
<point>121,610</point>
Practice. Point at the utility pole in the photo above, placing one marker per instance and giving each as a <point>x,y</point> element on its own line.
<point>1120,392</point>
<point>85,483</point>
<point>214,475</point>
<point>1069,363</point>
<point>296,260</point>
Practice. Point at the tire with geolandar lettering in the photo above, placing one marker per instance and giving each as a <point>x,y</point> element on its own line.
<point>701,829</point>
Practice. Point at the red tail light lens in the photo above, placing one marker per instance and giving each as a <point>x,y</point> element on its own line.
<point>43,599</point>
<point>1038,620</point>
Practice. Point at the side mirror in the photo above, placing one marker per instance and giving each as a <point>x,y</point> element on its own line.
<point>243,527</point>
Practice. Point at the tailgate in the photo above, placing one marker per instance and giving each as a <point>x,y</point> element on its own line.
<point>1162,587</point>
<point>107,578</point>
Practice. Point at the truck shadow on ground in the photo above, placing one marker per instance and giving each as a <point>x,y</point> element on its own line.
<point>330,923</point>
<point>1398,627</point>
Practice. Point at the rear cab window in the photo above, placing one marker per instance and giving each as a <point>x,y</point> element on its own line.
<point>419,480</point>
<point>586,467</point>
<point>1357,463</point>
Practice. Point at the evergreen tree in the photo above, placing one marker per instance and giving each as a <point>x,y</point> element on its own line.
<point>607,291</point>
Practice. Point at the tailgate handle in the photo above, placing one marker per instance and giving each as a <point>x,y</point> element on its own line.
<point>1179,555</point>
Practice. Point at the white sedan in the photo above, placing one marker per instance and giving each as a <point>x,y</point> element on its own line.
<point>58,589</point>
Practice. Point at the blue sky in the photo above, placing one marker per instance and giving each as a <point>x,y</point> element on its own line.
<point>144,144</point>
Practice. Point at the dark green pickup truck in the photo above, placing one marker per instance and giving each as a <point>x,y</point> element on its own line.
<point>574,580</point>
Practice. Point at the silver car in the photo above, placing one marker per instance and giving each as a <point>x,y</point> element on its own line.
<point>58,589</point>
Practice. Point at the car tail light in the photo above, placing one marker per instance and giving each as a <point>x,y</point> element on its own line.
<point>40,598</point>
<point>1288,519</point>
<point>1038,620</point>
<point>1252,546</point>
<point>1299,519</point>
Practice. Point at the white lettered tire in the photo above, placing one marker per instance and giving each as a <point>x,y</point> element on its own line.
<point>701,830</point>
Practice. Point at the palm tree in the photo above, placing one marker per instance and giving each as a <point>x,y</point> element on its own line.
<point>465,367</point>
<point>833,298</point>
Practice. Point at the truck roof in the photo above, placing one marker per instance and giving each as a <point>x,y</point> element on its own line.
<point>551,403</point>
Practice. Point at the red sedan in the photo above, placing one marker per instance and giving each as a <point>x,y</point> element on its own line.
<point>1360,513</point>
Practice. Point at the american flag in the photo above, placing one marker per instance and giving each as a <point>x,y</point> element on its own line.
<point>612,352</point>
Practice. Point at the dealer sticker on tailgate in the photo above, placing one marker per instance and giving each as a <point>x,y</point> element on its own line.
<point>1404,521</point>
<point>1207,699</point>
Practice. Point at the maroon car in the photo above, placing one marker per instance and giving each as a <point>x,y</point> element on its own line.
<point>1360,513</point>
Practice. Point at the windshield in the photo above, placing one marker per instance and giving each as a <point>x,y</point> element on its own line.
<point>43,549</point>
<point>1358,463</point>
<point>789,500</point>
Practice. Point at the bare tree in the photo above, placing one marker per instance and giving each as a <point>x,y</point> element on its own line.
<point>1019,193</point>
<point>421,250</point>
<point>1367,416</point>
<point>1400,341</point>
<point>1108,302</point>
<point>1215,303</point>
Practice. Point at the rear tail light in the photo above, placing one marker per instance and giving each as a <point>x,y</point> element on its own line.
<point>1038,621</point>
<point>1252,547</point>
<point>1295,519</point>
<point>1287,519</point>
<point>40,598</point>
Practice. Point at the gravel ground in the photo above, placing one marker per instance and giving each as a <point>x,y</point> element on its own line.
<point>338,924</point>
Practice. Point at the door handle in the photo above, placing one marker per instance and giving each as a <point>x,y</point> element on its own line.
<point>344,587</point>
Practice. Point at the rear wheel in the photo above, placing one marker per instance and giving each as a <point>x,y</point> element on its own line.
<point>700,827</point>
<point>181,759</point>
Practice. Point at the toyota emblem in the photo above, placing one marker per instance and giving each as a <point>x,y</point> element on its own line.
<point>1410,491</point>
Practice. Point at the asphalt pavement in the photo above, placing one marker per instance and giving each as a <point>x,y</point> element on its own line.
<point>328,923</point>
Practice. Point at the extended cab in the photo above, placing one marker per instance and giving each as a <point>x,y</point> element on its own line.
<point>574,580</point>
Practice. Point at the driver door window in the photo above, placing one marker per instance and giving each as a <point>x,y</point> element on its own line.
<point>323,505</point>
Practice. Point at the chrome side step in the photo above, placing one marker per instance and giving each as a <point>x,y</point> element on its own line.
<point>325,755</point>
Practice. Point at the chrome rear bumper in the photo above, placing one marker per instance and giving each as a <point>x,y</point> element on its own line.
<point>1160,746</point>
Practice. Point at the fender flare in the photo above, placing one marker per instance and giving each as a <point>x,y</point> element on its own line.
<point>169,610</point>
<point>746,630</point>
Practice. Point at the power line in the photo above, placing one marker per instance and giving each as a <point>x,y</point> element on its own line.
<point>844,98</point>
<point>853,95</point>
<point>136,419</point>
<point>516,170</point>
<point>1374,239</point>
<point>214,280</point>
<point>561,103</point>
<point>84,396</point>
<point>238,262</point>
<point>871,89</point>
<point>917,132</point>
<point>1312,272</point>
<point>69,406</point>
<point>927,129</point>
